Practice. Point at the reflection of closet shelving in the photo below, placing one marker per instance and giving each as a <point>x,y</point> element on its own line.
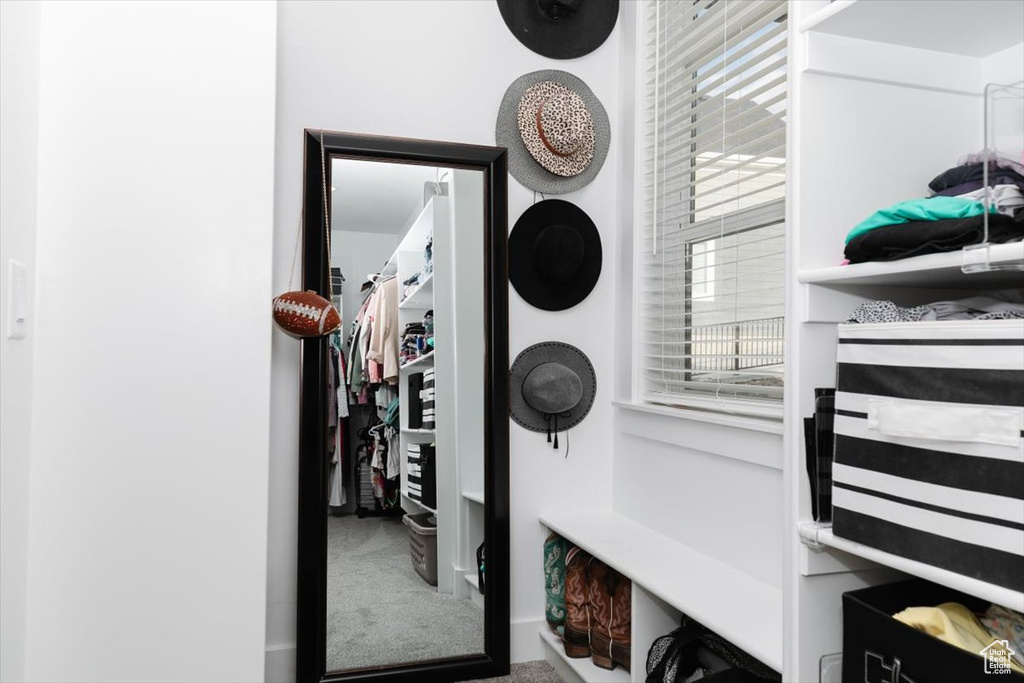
<point>902,83</point>
<point>710,591</point>
<point>422,297</point>
<point>409,259</point>
<point>425,359</point>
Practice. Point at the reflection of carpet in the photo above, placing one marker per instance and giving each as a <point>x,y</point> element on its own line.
<point>379,610</point>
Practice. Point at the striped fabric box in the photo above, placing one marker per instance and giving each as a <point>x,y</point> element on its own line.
<point>929,447</point>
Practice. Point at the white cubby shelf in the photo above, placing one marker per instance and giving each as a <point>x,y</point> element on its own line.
<point>583,668</point>
<point>475,496</point>
<point>738,607</point>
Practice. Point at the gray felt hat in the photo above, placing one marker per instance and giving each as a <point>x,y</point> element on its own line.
<point>552,387</point>
<point>550,119</point>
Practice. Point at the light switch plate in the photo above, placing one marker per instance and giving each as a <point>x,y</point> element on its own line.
<point>17,299</point>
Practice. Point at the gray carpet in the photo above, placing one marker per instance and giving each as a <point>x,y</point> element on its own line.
<point>527,672</point>
<point>379,610</point>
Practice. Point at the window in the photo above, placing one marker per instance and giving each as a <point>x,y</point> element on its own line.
<point>711,240</point>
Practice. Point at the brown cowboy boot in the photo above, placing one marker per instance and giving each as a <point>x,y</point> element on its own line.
<point>611,598</point>
<point>576,637</point>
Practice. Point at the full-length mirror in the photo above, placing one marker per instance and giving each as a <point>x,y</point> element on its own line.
<point>403,475</point>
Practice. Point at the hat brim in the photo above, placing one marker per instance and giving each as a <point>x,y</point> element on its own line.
<point>523,274</point>
<point>568,38</point>
<point>521,164</point>
<point>550,352</point>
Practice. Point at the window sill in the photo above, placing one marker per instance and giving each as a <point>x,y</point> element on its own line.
<point>767,425</point>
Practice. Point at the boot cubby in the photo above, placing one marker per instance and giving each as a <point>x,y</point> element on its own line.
<point>669,579</point>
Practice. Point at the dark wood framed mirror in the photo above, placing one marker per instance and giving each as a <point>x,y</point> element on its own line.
<point>450,248</point>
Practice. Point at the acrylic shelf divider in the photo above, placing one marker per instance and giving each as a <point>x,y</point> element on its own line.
<point>710,591</point>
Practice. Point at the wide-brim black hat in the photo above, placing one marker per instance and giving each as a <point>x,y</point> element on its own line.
<point>560,29</point>
<point>554,255</point>
<point>567,373</point>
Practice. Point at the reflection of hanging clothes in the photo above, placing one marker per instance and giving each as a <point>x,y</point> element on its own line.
<point>337,405</point>
<point>384,337</point>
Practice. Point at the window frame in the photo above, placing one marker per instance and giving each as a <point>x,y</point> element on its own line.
<point>724,409</point>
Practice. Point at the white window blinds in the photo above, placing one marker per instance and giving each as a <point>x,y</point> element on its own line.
<point>711,273</point>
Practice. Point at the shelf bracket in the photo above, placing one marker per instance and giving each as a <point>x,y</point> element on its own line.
<point>809,533</point>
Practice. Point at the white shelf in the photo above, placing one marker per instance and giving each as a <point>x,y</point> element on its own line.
<point>422,296</point>
<point>583,667</point>
<point>425,359</point>
<point>931,270</point>
<point>419,431</point>
<point>706,589</point>
<point>965,584</point>
<point>475,496</point>
<point>937,25</point>
<point>405,496</point>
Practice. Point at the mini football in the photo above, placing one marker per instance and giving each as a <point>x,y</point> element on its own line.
<point>305,314</point>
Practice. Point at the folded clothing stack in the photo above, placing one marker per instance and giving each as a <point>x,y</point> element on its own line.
<point>952,218</point>
<point>998,305</point>
<point>413,344</point>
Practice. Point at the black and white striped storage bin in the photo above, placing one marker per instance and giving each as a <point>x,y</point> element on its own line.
<point>929,448</point>
<point>428,399</point>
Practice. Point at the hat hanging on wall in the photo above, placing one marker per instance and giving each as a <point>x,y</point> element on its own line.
<point>551,387</point>
<point>555,129</point>
<point>560,29</point>
<point>554,255</point>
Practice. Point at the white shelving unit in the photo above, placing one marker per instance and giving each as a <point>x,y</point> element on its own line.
<point>710,591</point>
<point>425,360</point>
<point>422,297</point>
<point>884,96</point>
<point>818,533</point>
<point>475,496</point>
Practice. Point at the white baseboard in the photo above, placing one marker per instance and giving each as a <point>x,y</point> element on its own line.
<point>279,664</point>
<point>526,646</point>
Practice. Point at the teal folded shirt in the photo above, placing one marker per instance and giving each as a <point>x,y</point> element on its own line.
<point>930,209</point>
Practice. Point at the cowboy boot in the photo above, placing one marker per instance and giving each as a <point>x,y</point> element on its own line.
<point>576,636</point>
<point>610,612</point>
<point>555,548</point>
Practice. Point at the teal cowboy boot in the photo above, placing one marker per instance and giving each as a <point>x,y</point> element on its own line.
<point>555,548</point>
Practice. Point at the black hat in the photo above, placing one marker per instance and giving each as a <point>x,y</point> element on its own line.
<point>554,255</point>
<point>552,388</point>
<point>560,29</point>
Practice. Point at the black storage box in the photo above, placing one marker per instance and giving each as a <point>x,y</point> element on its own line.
<point>423,484</point>
<point>415,401</point>
<point>880,649</point>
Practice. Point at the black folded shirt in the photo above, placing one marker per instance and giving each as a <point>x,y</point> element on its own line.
<point>916,238</point>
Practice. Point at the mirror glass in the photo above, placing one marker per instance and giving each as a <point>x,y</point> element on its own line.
<point>405,527</point>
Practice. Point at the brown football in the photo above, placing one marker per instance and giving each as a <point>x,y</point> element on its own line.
<point>305,314</point>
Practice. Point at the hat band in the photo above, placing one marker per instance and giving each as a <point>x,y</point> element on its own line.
<point>544,139</point>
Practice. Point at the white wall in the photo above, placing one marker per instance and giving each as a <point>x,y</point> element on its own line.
<point>149,425</point>
<point>19,140</point>
<point>436,70</point>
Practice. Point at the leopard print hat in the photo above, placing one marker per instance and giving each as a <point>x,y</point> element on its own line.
<point>555,129</point>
